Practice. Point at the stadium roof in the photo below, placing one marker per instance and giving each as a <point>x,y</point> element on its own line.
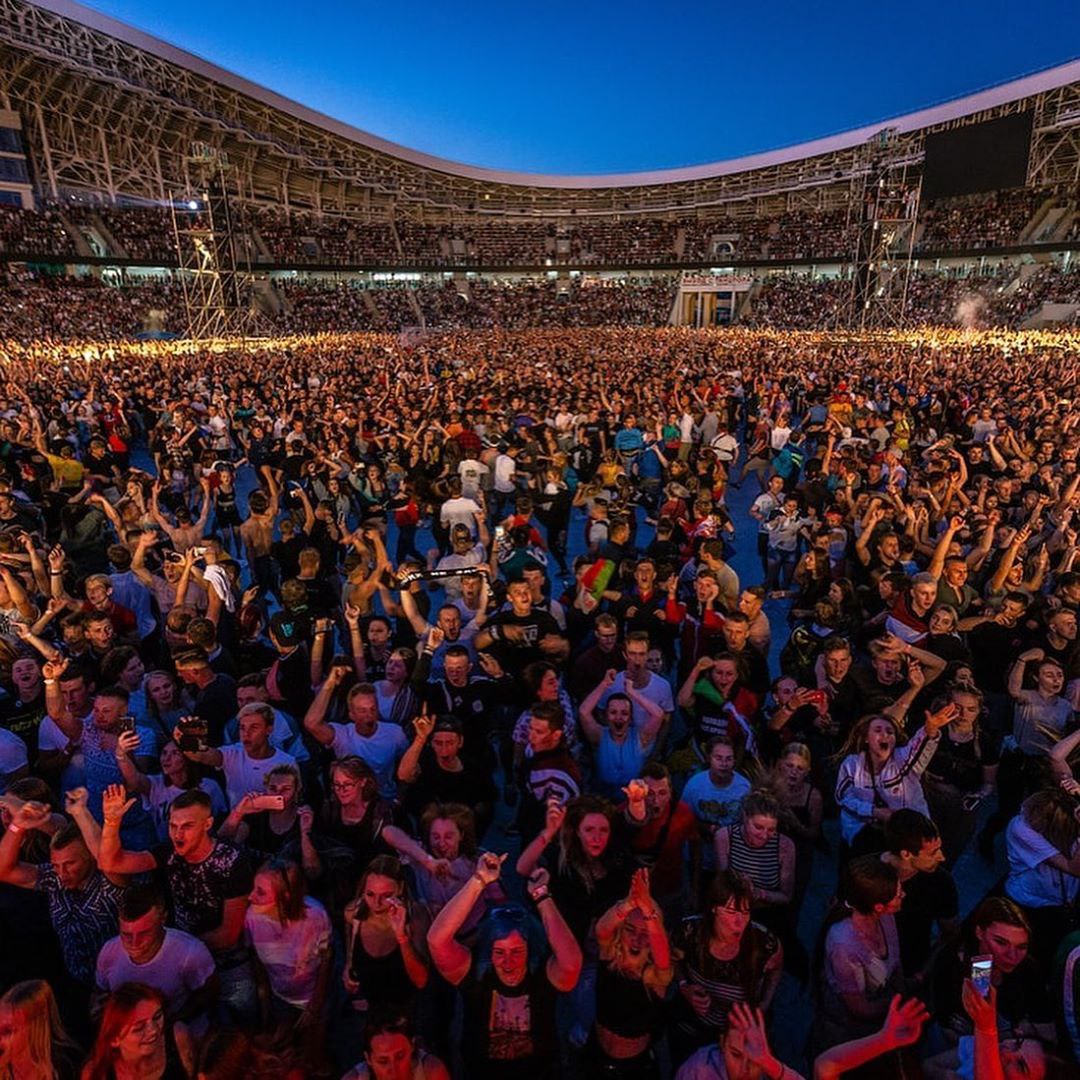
<point>994,97</point>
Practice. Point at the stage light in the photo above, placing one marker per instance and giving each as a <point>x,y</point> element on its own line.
<point>193,205</point>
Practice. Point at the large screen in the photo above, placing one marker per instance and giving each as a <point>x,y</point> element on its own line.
<point>989,156</point>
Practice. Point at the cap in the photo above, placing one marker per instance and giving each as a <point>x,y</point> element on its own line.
<point>448,723</point>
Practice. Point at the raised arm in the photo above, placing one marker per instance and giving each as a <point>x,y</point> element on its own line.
<point>564,963</point>
<point>71,726</point>
<point>530,857</point>
<point>315,718</point>
<point>408,770</point>
<point>654,715</point>
<point>592,730</point>
<point>112,856</point>
<point>1016,672</point>
<point>13,871</point>
<point>452,959</point>
<point>903,1027</point>
<point>134,780</point>
<point>941,549</point>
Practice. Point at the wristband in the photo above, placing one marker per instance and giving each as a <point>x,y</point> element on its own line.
<point>49,682</point>
<point>541,896</point>
<point>483,883</point>
<point>13,828</point>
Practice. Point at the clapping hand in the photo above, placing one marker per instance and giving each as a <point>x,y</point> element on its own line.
<point>640,896</point>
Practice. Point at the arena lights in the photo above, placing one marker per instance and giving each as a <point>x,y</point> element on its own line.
<point>933,338</point>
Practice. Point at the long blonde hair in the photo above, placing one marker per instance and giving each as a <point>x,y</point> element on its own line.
<point>35,1012</point>
<point>655,979</point>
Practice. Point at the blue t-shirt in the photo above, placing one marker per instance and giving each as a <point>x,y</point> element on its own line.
<point>629,440</point>
<point>716,806</point>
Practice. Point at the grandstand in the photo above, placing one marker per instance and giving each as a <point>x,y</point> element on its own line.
<point>99,122</point>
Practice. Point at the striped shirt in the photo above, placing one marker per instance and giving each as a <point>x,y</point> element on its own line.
<point>760,865</point>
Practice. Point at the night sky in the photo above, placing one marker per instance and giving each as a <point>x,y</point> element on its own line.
<point>592,87</point>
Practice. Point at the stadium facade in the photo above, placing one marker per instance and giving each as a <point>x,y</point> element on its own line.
<point>105,108</point>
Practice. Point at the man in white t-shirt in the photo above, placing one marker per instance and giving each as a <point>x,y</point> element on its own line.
<point>725,446</point>
<point>458,510</point>
<point>146,951</point>
<point>652,687</point>
<point>246,763</point>
<point>466,553</point>
<point>472,472</point>
<point>503,480</point>
<point>380,743</point>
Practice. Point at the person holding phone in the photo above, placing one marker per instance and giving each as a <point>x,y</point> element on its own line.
<point>272,821</point>
<point>245,764</point>
<point>996,942</point>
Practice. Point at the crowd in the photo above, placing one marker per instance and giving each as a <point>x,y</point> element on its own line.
<point>987,220</point>
<point>1006,296</point>
<point>394,707</point>
<point>302,238</point>
<point>64,308</point>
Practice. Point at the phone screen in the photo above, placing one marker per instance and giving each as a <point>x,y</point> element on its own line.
<point>980,973</point>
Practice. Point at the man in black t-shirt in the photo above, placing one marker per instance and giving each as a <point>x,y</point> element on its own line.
<point>913,847</point>
<point>523,634</point>
<point>208,883</point>
<point>437,772</point>
<point>213,694</point>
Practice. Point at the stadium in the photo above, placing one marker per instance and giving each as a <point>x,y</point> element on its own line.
<point>462,624</point>
<point>975,199</point>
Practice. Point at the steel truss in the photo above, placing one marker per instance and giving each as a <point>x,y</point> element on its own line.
<point>885,211</point>
<point>103,115</point>
<point>216,276</point>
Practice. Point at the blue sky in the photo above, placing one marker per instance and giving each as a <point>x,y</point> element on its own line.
<point>592,87</point>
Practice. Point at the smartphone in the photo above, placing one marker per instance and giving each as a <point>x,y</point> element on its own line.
<point>269,802</point>
<point>198,552</point>
<point>500,532</point>
<point>127,723</point>
<point>818,697</point>
<point>980,973</point>
<point>192,734</point>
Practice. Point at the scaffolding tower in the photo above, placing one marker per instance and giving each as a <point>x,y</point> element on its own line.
<point>885,212</point>
<point>216,274</point>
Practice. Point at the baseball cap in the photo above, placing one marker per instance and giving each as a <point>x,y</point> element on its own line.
<point>286,629</point>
